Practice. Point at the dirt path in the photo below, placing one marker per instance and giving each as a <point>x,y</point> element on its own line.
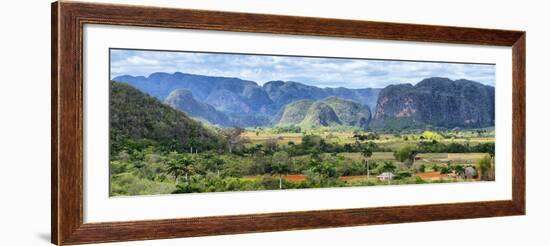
<point>301,177</point>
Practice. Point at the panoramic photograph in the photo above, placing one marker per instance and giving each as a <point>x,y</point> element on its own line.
<point>197,122</point>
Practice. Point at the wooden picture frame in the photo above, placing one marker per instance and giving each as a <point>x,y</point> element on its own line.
<point>68,19</point>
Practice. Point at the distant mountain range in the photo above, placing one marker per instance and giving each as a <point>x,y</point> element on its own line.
<point>282,93</point>
<point>244,102</point>
<point>232,102</point>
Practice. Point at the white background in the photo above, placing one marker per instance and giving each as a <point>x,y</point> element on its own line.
<point>25,127</point>
<point>98,207</point>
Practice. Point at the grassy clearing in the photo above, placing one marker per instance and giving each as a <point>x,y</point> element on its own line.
<point>423,157</point>
<point>385,140</point>
<point>363,180</point>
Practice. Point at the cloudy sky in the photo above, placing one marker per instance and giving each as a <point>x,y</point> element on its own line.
<point>321,72</point>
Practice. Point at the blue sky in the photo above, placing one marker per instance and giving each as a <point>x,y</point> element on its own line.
<point>321,72</point>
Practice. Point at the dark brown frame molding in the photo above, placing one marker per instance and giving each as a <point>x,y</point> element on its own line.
<point>68,20</point>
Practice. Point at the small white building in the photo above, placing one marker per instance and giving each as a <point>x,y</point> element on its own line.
<point>452,174</point>
<point>385,176</point>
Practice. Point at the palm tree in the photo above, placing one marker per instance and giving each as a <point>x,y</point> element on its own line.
<point>388,166</point>
<point>366,153</point>
<point>187,166</point>
<point>174,168</point>
<point>280,169</point>
<point>180,165</point>
<point>217,163</point>
<point>280,166</point>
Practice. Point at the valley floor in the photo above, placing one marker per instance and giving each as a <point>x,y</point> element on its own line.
<point>261,159</point>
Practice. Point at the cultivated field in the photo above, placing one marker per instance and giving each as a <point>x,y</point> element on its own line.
<point>429,161</point>
<point>384,140</point>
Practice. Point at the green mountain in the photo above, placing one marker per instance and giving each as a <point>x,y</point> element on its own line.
<point>437,102</point>
<point>350,113</point>
<point>293,113</point>
<point>183,100</point>
<point>320,114</point>
<point>331,111</point>
<point>136,116</point>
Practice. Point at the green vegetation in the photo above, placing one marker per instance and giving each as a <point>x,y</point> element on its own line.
<point>485,166</point>
<point>156,149</point>
<point>138,120</point>
<point>406,154</point>
<point>315,161</point>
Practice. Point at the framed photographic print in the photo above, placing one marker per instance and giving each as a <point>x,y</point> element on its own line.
<point>177,123</point>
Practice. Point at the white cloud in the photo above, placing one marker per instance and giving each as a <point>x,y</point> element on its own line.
<point>332,72</point>
<point>137,60</point>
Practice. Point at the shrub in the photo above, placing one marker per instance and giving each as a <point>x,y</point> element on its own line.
<point>406,154</point>
<point>419,180</point>
<point>402,175</point>
<point>485,167</point>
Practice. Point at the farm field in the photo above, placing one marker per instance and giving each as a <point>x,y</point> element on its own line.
<point>427,159</point>
<point>386,140</point>
<point>458,158</point>
<point>429,176</point>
